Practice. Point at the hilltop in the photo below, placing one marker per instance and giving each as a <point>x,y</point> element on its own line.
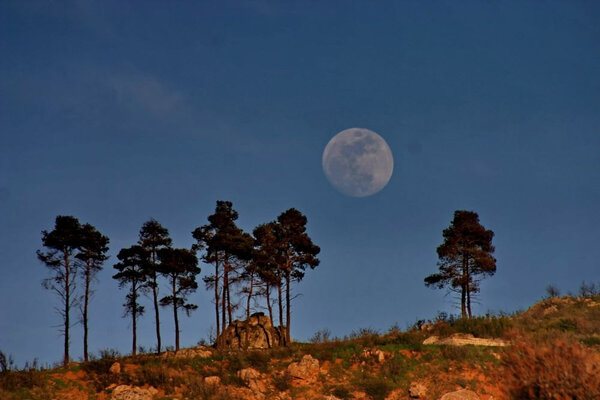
<point>552,350</point>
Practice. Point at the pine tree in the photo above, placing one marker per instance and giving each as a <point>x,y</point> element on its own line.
<point>228,247</point>
<point>132,273</point>
<point>90,257</point>
<point>62,243</point>
<point>181,268</point>
<point>465,257</point>
<point>264,260</point>
<point>153,238</point>
<point>296,251</point>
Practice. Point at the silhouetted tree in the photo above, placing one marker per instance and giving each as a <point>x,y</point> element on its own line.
<point>264,262</point>
<point>132,272</point>
<point>153,238</point>
<point>61,244</point>
<point>181,267</point>
<point>465,257</point>
<point>226,246</point>
<point>90,257</point>
<point>296,251</point>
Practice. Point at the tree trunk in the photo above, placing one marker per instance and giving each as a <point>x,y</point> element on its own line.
<point>463,288</point>
<point>67,306</point>
<point>174,281</point>
<point>134,322</point>
<point>228,294</point>
<point>280,300</point>
<point>217,295</point>
<point>469,301</point>
<point>85,311</point>
<point>249,296</point>
<point>155,300</point>
<point>156,313</point>
<point>287,307</point>
<point>268,294</point>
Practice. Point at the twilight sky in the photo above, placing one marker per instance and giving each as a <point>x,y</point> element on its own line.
<point>115,112</point>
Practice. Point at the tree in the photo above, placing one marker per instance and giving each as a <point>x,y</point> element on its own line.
<point>153,238</point>
<point>92,254</point>
<point>181,267</point>
<point>264,262</point>
<point>227,246</point>
<point>132,272</point>
<point>296,251</point>
<point>465,257</point>
<point>62,242</point>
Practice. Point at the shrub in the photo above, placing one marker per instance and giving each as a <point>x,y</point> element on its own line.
<point>375,387</point>
<point>282,382</point>
<point>557,369</point>
<point>321,336</point>
<point>342,392</point>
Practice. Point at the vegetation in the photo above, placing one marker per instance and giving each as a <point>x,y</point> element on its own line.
<point>153,237</point>
<point>180,266</point>
<point>465,258</point>
<point>91,256</point>
<point>132,272</point>
<point>71,246</point>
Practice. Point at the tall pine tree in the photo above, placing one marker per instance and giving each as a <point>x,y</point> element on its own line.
<point>180,266</point>
<point>153,238</point>
<point>90,257</point>
<point>132,273</point>
<point>296,251</point>
<point>61,244</point>
<point>465,257</point>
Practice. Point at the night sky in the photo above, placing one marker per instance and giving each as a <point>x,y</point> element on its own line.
<point>115,112</point>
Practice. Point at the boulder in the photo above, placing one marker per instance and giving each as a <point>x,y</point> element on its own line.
<point>417,390</point>
<point>462,394</point>
<point>115,368</point>
<point>126,392</point>
<point>461,339</point>
<point>193,352</point>
<point>212,380</point>
<point>307,369</point>
<point>255,333</point>
<point>252,378</point>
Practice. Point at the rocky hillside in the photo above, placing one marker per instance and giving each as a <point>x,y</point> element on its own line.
<point>550,351</point>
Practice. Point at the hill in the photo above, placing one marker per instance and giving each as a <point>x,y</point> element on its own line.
<point>552,352</point>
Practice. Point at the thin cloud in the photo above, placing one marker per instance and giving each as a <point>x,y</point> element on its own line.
<point>148,93</point>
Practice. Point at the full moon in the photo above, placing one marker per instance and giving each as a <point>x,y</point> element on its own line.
<point>358,162</point>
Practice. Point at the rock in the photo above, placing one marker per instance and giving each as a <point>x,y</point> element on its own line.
<point>462,394</point>
<point>417,390</point>
<point>212,380</point>
<point>126,392</point>
<point>461,339</point>
<point>375,353</point>
<point>307,369</point>
<point>251,377</point>
<point>115,368</point>
<point>248,374</point>
<point>193,352</point>
<point>396,394</point>
<point>255,333</point>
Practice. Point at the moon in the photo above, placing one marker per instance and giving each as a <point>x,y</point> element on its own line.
<point>358,162</point>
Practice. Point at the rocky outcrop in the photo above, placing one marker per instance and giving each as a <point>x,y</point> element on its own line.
<point>463,394</point>
<point>193,352</point>
<point>460,339</point>
<point>126,392</point>
<point>306,370</point>
<point>255,333</point>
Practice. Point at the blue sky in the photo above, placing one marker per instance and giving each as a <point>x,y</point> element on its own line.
<point>116,112</point>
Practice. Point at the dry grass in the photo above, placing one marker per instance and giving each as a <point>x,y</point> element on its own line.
<point>560,369</point>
